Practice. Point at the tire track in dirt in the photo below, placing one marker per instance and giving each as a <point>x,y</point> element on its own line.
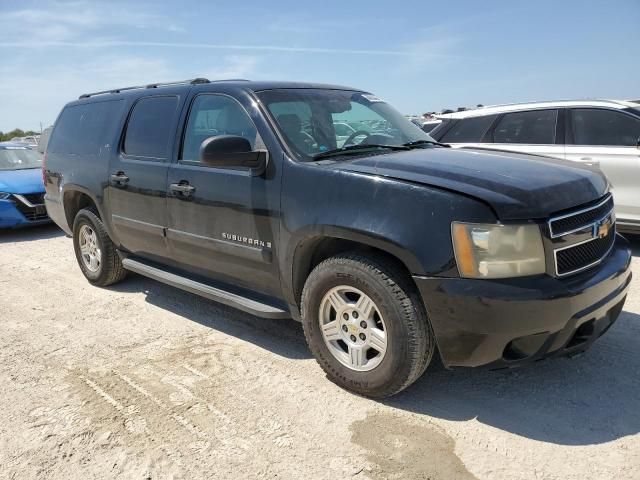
<point>179,419</point>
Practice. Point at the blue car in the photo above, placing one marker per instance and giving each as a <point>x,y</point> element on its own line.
<point>21,187</point>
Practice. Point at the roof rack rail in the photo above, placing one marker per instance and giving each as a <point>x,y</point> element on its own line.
<point>230,80</point>
<point>194,81</point>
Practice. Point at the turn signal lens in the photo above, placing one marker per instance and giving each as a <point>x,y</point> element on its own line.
<point>498,251</point>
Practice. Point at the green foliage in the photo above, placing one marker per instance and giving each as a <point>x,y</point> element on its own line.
<point>16,132</point>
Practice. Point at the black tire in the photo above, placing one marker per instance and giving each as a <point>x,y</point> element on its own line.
<point>110,270</point>
<point>411,342</point>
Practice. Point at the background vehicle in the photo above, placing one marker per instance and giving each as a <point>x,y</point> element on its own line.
<point>426,123</point>
<point>343,132</point>
<point>605,134</point>
<point>30,140</point>
<point>21,188</point>
<point>44,139</point>
<point>382,245</point>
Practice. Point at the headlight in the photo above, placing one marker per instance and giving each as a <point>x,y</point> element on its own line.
<point>498,251</point>
<point>4,196</point>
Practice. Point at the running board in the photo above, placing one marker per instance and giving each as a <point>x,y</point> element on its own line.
<point>245,304</point>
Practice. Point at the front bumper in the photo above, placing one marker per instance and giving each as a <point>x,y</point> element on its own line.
<point>12,217</point>
<point>504,323</point>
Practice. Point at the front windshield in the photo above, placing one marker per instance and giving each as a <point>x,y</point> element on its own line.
<point>18,158</point>
<point>315,121</point>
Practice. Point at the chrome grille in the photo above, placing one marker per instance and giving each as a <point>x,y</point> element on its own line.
<point>578,220</point>
<point>583,255</point>
<point>583,238</point>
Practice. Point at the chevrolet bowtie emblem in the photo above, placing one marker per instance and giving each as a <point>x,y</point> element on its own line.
<point>601,229</point>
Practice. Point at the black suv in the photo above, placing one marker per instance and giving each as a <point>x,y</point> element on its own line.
<point>386,244</point>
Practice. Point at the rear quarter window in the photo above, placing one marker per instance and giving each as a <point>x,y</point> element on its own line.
<point>85,129</point>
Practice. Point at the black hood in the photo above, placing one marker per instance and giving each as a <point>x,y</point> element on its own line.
<point>517,186</point>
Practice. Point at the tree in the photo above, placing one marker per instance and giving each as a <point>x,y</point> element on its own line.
<point>16,132</point>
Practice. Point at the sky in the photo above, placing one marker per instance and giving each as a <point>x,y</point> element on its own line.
<point>419,56</point>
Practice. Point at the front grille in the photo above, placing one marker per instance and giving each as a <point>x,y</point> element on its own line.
<point>34,198</point>
<point>581,219</point>
<point>34,210</point>
<point>583,238</point>
<point>583,255</point>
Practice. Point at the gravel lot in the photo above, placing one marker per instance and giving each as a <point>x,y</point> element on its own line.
<point>143,381</point>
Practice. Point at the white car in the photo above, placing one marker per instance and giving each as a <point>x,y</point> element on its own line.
<point>31,140</point>
<point>343,132</point>
<point>603,133</point>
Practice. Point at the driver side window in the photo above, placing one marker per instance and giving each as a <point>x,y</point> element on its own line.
<point>213,115</point>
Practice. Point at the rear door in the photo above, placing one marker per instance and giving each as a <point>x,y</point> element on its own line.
<point>609,139</point>
<point>138,175</point>
<point>221,220</point>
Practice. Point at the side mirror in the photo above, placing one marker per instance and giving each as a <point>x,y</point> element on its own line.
<point>232,151</point>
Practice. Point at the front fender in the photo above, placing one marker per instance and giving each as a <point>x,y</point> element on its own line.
<point>409,221</point>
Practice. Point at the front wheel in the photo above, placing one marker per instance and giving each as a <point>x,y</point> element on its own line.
<point>365,324</point>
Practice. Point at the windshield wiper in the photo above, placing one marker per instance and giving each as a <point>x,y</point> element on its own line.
<point>417,143</point>
<point>356,149</point>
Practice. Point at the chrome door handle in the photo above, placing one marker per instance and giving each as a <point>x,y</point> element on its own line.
<point>119,179</point>
<point>182,189</point>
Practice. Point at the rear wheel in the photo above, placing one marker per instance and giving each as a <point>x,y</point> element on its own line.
<point>95,252</point>
<point>366,325</point>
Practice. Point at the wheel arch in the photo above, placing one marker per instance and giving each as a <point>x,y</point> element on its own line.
<point>75,198</point>
<point>316,245</point>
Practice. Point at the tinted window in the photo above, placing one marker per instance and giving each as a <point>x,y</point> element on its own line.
<point>469,130</point>
<point>604,127</point>
<point>213,115</point>
<point>428,127</point>
<point>85,129</point>
<point>537,127</point>
<point>150,127</point>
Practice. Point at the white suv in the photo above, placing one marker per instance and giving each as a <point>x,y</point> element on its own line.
<point>603,133</point>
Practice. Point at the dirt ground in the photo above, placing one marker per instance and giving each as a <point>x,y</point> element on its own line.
<point>143,381</point>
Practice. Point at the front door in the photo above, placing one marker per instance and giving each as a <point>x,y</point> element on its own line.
<point>138,176</point>
<point>608,139</point>
<point>223,221</point>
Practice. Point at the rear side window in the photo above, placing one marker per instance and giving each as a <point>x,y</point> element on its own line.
<point>469,130</point>
<point>604,127</point>
<point>150,127</point>
<point>85,129</point>
<point>536,127</point>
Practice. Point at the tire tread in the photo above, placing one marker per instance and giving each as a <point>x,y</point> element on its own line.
<point>421,343</point>
<point>113,271</point>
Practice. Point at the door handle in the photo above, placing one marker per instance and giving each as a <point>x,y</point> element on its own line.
<point>119,179</point>
<point>182,189</point>
<point>591,161</point>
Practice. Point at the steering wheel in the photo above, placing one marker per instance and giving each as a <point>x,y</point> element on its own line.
<point>355,134</point>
